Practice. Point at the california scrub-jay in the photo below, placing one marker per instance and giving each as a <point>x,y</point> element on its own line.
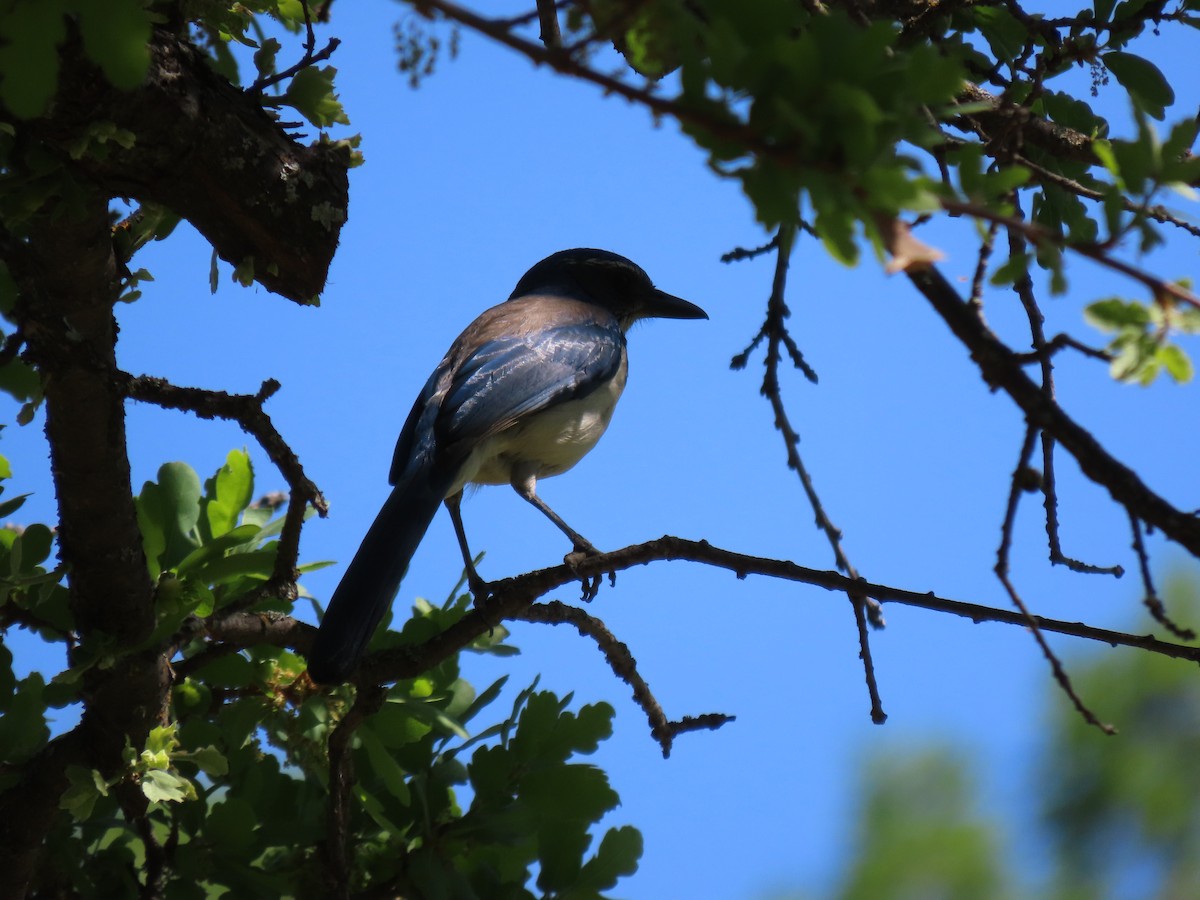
<point>522,394</point>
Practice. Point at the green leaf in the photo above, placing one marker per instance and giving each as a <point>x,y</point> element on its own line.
<point>23,729</point>
<point>1146,84</point>
<point>212,762</point>
<point>1176,362</point>
<point>10,506</point>
<point>1004,34</point>
<point>31,548</point>
<point>161,786</point>
<point>116,34</point>
<point>30,32</point>
<point>231,824</point>
<point>168,512</point>
<point>384,766</point>
<point>1103,9</point>
<point>1015,267</point>
<point>214,275</point>
<point>311,94</point>
<point>87,786</point>
<point>1114,314</point>
<point>569,792</point>
<point>618,855</point>
<point>257,564</point>
<point>229,492</point>
<point>264,57</point>
<point>561,846</point>
<point>216,549</point>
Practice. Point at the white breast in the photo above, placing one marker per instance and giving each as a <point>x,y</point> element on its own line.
<point>548,443</point>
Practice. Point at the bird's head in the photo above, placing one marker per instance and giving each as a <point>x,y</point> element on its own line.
<point>608,280</point>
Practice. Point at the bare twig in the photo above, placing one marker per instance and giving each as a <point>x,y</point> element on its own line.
<point>1152,601</point>
<point>1023,287</point>
<point>1015,490</point>
<point>985,254</point>
<point>776,334</point>
<point>1059,342</point>
<point>737,254</point>
<point>624,666</point>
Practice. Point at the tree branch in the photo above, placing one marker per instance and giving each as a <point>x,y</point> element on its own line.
<point>512,596</point>
<point>247,410</point>
<point>210,153</point>
<point>1001,368</point>
<point>68,283</point>
<point>624,666</point>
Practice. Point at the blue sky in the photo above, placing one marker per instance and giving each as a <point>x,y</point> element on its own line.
<point>493,164</point>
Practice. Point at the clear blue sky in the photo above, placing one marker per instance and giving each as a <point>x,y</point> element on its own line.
<point>492,165</point>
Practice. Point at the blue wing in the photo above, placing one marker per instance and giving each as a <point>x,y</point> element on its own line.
<point>508,378</point>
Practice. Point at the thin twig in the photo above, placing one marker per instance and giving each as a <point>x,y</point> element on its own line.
<point>1040,236</point>
<point>1010,514</point>
<point>738,254</point>
<point>776,334</point>
<point>1059,342</point>
<point>1023,287</point>
<point>985,254</point>
<point>310,57</point>
<point>1158,213</point>
<point>1152,601</point>
<point>624,666</point>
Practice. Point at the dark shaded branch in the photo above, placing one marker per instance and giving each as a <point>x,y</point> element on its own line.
<point>512,596</point>
<point>624,666</point>
<point>210,153</point>
<point>68,282</point>
<point>336,851</point>
<point>549,33</point>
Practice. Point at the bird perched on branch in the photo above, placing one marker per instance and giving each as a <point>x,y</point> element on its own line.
<point>523,393</point>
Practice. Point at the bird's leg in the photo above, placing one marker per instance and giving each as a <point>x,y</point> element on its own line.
<point>527,488</point>
<point>478,586</point>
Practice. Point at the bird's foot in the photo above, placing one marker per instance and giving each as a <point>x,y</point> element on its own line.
<point>481,590</point>
<point>589,583</point>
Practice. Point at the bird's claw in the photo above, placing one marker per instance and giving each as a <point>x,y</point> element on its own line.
<point>481,590</point>
<point>589,583</point>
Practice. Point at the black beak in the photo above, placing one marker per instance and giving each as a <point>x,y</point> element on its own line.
<point>661,305</point>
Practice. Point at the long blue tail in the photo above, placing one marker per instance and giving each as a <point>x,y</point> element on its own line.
<point>373,577</point>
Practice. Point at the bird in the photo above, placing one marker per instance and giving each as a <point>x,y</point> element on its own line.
<point>523,393</point>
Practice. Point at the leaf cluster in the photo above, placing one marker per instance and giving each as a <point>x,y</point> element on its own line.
<point>840,118</point>
<point>236,784</point>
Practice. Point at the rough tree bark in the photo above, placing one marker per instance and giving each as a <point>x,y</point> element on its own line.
<point>210,153</point>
